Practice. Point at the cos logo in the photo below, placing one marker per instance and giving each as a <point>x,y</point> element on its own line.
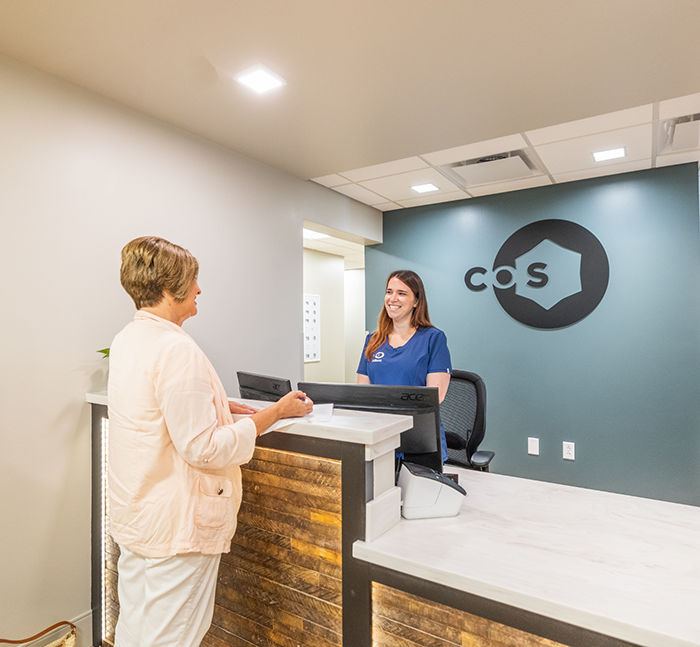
<point>549,274</point>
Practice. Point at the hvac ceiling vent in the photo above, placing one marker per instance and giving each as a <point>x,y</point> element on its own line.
<point>503,167</point>
<point>680,134</point>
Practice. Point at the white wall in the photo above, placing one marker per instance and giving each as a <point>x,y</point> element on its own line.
<point>355,331</point>
<point>323,275</point>
<point>79,177</point>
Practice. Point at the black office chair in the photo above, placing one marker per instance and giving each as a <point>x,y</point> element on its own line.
<point>463,415</point>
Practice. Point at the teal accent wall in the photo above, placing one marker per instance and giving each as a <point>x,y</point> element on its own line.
<point>623,384</point>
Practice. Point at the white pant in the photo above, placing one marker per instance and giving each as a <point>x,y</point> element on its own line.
<point>165,601</point>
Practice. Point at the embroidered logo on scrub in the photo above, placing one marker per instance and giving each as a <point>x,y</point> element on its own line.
<point>378,356</point>
<point>549,274</point>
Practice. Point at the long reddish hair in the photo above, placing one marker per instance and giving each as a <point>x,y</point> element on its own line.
<point>419,317</point>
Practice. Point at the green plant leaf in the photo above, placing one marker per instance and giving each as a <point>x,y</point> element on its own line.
<point>104,351</point>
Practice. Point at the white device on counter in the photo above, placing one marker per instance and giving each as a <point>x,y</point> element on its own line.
<point>427,494</point>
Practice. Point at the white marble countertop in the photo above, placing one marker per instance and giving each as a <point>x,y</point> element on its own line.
<point>350,426</point>
<point>622,566</point>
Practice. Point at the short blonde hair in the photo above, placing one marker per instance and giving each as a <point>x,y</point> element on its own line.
<point>152,266</point>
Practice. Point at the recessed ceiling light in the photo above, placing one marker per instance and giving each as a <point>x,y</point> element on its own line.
<point>612,154</point>
<point>260,78</point>
<point>424,188</point>
<point>314,235</point>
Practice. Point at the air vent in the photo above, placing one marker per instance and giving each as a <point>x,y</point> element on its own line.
<point>495,168</point>
<point>680,134</point>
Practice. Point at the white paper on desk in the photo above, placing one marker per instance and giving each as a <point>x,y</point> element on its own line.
<point>321,413</point>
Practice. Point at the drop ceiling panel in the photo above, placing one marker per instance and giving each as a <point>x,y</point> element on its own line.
<point>627,167</point>
<point>398,187</point>
<point>382,170</point>
<point>434,199</point>
<point>591,126</point>
<point>330,180</point>
<point>360,194</point>
<point>680,107</point>
<point>577,154</point>
<point>513,185</point>
<point>386,206</point>
<point>474,151</point>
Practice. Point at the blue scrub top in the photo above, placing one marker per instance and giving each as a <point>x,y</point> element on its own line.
<point>409,365</point>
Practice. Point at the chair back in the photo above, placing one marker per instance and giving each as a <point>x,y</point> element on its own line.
<point>463,416</point>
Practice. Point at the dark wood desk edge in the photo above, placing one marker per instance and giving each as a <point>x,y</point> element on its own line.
<point>356,487</point>
<point>528,621</point>
<point>98,411</point>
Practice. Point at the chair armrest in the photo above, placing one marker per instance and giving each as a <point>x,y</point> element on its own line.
<point>481,458</point>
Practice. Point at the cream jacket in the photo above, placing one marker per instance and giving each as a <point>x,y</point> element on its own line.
<point>174,450</point>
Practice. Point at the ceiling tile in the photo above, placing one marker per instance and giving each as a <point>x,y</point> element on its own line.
<point>626,167</point>
<point>591,126</point>
<point>360,194</point>
<point>382,170</point>
<point>577,154</point>
<point>398,187</point>
<point>444,197</point>
<point>473,151</point>
<point>680,107</point>
<point>386,206</point>
<point>513,185</point>
<point>330,180</point>
<point>678,158</point>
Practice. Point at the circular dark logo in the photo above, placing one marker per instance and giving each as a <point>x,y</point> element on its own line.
<point>549,274</point>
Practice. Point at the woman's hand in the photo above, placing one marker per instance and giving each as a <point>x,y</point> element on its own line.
<point>292,405</point>
<point>244,409</point>
<point>295,405</point>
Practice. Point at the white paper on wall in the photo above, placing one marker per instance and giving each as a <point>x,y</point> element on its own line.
<point>312,328</point>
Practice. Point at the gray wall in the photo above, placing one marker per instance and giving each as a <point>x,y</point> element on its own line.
<point>623,382</point>
<point>80,177</point>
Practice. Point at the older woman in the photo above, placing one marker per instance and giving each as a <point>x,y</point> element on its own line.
<point>406,349</point>
<point>174,454</point>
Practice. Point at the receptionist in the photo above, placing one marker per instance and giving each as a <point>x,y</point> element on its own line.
<point>406,349</point>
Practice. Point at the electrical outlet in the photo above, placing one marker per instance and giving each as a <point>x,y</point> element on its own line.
<point>533,446</point>
<point>569,453</point>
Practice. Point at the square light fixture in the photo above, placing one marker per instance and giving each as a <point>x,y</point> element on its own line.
<point>425,188</point>
<point>260,78</point>
<point>612,154</point>
<point>314,235</point>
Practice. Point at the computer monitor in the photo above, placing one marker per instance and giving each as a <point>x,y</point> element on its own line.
<point>421,444</point>
<point>262,387</point>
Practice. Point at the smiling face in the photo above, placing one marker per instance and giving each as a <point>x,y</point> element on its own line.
<point>399,301</point>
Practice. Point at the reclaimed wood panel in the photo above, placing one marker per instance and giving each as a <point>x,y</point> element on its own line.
<point>280,586</point>
<point>403,620</point>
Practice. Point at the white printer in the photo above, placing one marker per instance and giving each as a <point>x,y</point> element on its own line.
<point>427,494</point>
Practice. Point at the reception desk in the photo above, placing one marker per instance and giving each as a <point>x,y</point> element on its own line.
<point>322,558</point>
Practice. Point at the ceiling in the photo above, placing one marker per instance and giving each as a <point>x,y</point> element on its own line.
<point>409,83</point>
